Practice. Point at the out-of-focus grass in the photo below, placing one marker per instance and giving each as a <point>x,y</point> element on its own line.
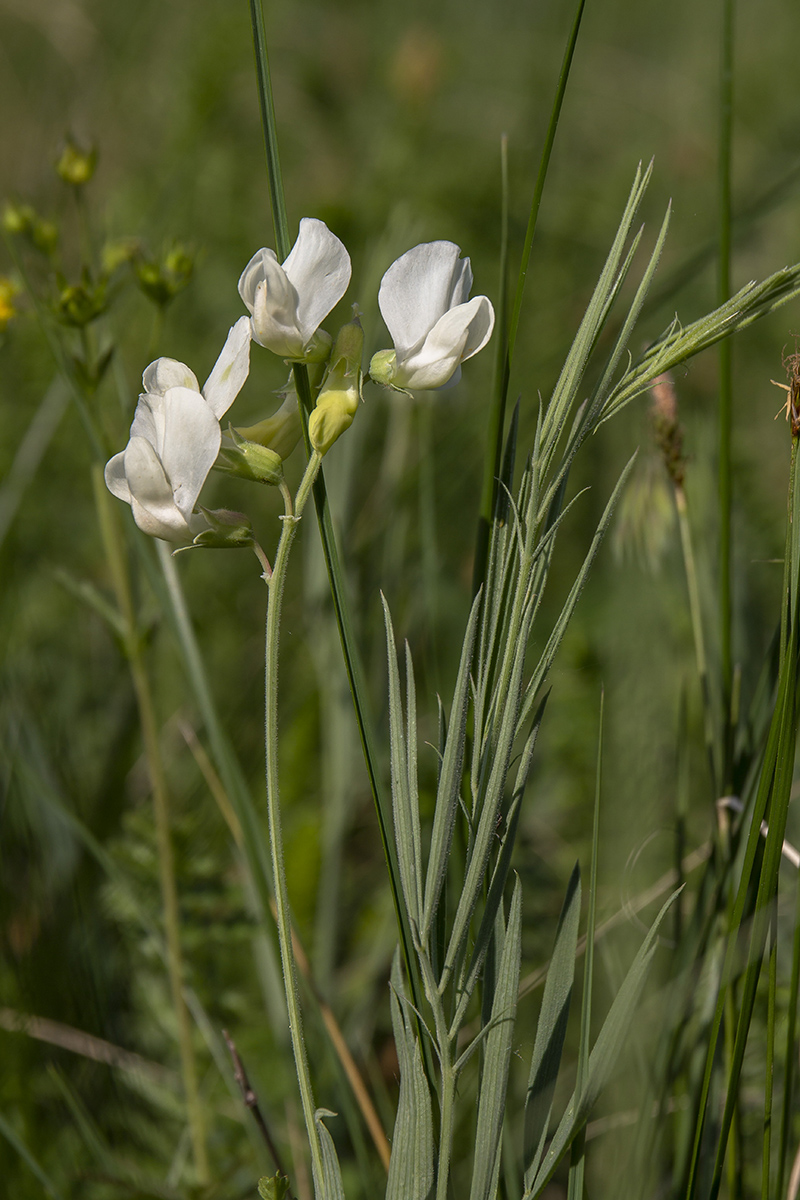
<point>390,122</point>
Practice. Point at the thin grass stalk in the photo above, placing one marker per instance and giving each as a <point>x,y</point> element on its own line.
<point>508,343</point>
<point>696,613</point>
<point>770,1063</point>
<point>725,373</point>
<point>491,462</point>
<point>577,1150</point>
<point>270,128</point>
<point>770,769</point>
<point>791,1048</point>
<point>133,647</point>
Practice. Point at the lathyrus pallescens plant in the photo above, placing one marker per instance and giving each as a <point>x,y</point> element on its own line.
<point>472,942</point>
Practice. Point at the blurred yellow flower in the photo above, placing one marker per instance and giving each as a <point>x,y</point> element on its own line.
<point>8,290</point>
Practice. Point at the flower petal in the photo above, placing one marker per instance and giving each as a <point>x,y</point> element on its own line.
<point>167,373</point>
<point>154,508</point>
<point>252,275</point>
<point>319,267</point>
<point>456,336</point>
<point>192,439</point>
<point>116,481</point>
<point>149,420</point>
<point>418,289</point>
<point>275,322</point>
<point>230,370</point>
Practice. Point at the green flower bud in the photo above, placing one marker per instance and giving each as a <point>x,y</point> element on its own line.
<point>275,1187</point>
<point>282,431</point>
<point>76,166</point>
<point>383,366</point>
<point>249,460</point>
<point>228,531</point>
<point>337,403</point>
<point>80,304</point>
<point>161,281</point>
<point>118,252</point>
<point>18,218</point>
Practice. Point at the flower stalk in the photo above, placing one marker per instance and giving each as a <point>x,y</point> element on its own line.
<point>275,583</point>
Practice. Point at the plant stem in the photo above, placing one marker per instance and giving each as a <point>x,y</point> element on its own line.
<point>133,648</point>
<point>275,584</point>
<point>725,379</point>
<point>690,568</point>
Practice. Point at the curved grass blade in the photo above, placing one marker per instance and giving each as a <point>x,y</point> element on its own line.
<point>551,1029</point>
<point>604,1056</point>
<point>496,1059</point>
<point>411,1164</point>
<point>405,806</point>
<point>449,780</point>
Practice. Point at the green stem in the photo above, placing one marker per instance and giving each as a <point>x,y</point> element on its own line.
<point>269,126</point>
<point>276,584</point>
<point>134,652</point>
<point>770,1071</point>
<point>725,376</point>
<point>790,1051</point>
<point>690,569</point>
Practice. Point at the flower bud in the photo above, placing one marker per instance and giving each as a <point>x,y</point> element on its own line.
<point>227,531</point>
<point>382,367</point>
<point>18,218</point>
<point>76,166</point>
<point>250,461</point>
<point>337,403</point>
<point>81,303</point>
<point>162,280</point>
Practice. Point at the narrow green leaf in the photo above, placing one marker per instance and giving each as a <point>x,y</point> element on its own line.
<point>403,808</point>
<point>497,1055</point>
<point>577,1157</point>
<point>499,876</point>
<point>447,793</point>
<point>411,1164</point>
<point>551,1029</point>
<point>490,808</point>
<point>604,1057</point>
<point>330,1187</point>
<point>554,641</point>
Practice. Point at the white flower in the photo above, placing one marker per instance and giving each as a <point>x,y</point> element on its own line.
<point>175,439</point>
<point>434,326</point>
<point>289,302</point>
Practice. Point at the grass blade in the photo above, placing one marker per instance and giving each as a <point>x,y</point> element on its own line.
<point>497,1055</point>
<point>551,1029</point>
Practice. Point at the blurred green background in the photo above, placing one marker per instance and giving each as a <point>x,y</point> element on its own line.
<point>390,120</point>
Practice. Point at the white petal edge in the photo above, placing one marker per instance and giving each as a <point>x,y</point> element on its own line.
<point>166,373</point>
<point>455,337</point>
<point>252,275</point>
<point>319,267</point>
<point>154,509</point>
<point>418,289</point>
<point>230,370</point>
<point>192,439</point>
<point>115,478</point>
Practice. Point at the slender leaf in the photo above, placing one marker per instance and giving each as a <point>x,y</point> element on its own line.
<point>411,1164</point>
<point>330,1187</point>
<point>404,808</point>
<point>551,1029</point>
<point>448,791</point>
<point>497,1055</point>
<point>604,1057</point>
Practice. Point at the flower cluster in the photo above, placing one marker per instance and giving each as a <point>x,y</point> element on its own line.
<point>176,439</point>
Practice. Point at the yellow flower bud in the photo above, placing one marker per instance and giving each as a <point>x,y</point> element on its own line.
<point>337,403</point>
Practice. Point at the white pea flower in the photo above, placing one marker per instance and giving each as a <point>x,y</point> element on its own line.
<point>424,301</point>
<point>288,302</point>
<point>175,440</point>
